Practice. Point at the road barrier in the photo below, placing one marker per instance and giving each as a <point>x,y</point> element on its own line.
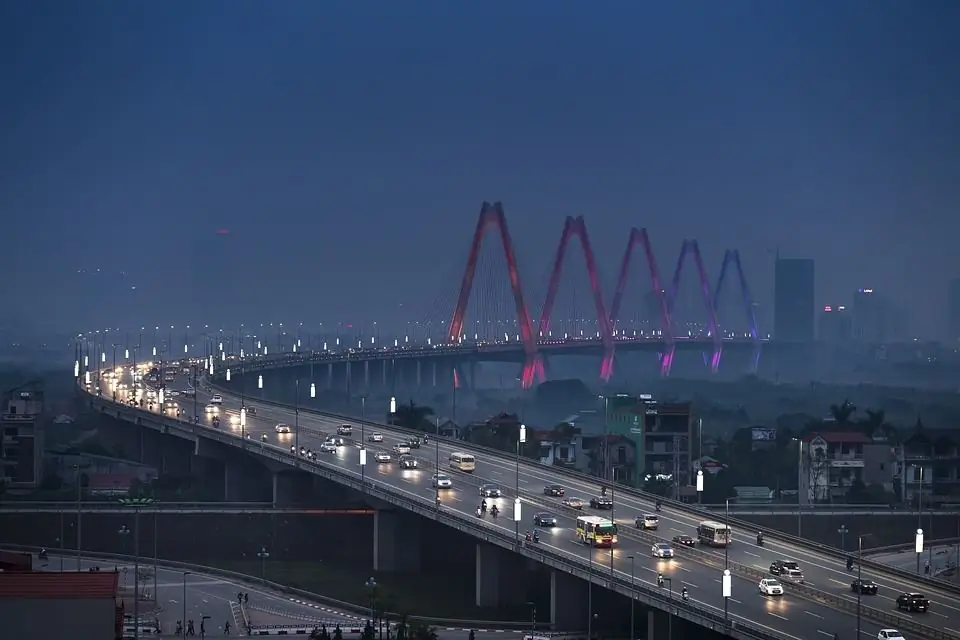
<point>922,582</point>
<point>689,610</point>
<point>739,627</point>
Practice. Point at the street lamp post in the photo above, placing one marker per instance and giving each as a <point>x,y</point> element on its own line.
<point>843,531</point>
<point>363,467</point>
<point>669,582</point>
<point>918,544</point>
<point>699,486</point>
<point>799,488</point>
<point>137,504</point>
<point>859,576</point>
<point>184,619</point>
<point>263,554</point>
<point>521,440</point>
<point>296,418</point>
<point>371,585</point>
<point>79,467</point>
<point>633,598</point>
<point>727,592</point>
<point>436,442</point>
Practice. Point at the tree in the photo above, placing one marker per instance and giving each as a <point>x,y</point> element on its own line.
<point>413,416</point>
<point>874,419</point>
<point>368,633</point>
<point>817,467</point>
<point>337,633</point>
<point>843,412</point>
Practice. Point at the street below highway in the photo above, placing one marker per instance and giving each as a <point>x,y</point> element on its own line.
<point>789,615</point>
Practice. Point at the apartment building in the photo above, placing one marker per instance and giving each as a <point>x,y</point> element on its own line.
<point>21,437</point>
<point>931,466</point>
<point>662,434</point>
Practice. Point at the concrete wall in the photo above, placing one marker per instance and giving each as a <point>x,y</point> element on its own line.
<point>50,619</point>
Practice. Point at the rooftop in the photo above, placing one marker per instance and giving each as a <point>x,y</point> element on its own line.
<point>74,585</point>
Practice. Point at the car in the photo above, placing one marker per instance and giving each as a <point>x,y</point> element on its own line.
<point>864,587</point>
<point>442,481</point>
<point>345,430</point>
<point>211,408</point>
<point>573,503</point>
<point>375,437</point>
<point>647,522</point>
<point>890,634</point>
<point>251,411</point>
<point>544,519</point>
<point>383,457</point>
<point>793,575</point>
<point>216,399</point>
<point>414,443</point>
<point>684,540</point>
<point>554,490</point>
<point>912,602</point>
<point>661,550</point>
<point>407,462</point>
<point>328,447</point>
<point>401,449</point>
<point>173,393</point>
<point>781,567</point>
<point>770,587</point>
<point>490,491</point>
<point>335,441</point>
<point>601,502</point>
<point>282,428</point>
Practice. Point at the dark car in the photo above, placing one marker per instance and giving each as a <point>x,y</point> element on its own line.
<point>545,520</point>
<point>783,567</point>
<point>251,411</point>
<point>414,443</point>
<point>601,502</point>
<point>490,491</point>
<point>554,490</point>
<point>912,602</point>
<point>684,540</point>
<point>866,587</point>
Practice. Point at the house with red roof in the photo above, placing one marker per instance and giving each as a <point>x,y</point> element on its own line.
<point>86,602</point>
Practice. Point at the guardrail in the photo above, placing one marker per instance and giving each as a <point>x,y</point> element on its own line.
<point>693,510</point>
<point>685,609</point>
<point>827,509</point>
<point>688,610</point>
<point>892,548</point>
<point>113,504</point>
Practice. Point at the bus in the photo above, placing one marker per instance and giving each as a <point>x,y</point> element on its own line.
<point>596,531</point>
<point>715,534</point>
<point>463,462</point>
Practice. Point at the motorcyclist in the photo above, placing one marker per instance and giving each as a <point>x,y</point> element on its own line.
<point>603,491</point>
<point>528,536</point>
<point>849,564</point>
<point>43,554</point>
<point>683,593</point>
<point>494,511</point>
<point>226,628</point>
<point>536,536</point>
<point>760,538</point>
<point>483,506</point>
<point>479,511</point>
<point>659,504</point>
<point>659,579</point>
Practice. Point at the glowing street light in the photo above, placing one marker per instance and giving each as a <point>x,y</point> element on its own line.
<point>313,390</point>
<point>260,381</point>
<point>228,375</point>
<point>76,369</point>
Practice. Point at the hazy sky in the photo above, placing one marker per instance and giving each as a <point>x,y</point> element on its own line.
<point>347,146</point>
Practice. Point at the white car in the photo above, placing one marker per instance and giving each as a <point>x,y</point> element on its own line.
<point>282,428</point>
<point>771,587</point>
<point>328,447</point>
<point>383,457</point>
<point>441,481</point>
<point>216,399</point>
<point>335,441</point>
<point>173,393</point>
<point>661,550</point>
<point>212,408</point>
<point>890,634</point>
<point>401,449</point>
<point>375,437</point>
<point>408,462</point>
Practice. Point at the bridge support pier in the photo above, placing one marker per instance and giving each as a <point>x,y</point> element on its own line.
<point>419,373</point>
<point>329,375</point>
<point>348,378</point>
<point>366,375</point>
<point>396,541</point>
<point>232,482</point>
<point>488,575</point>
<point>434,373</point>
<point>384,364</point>
<point>568,602</point>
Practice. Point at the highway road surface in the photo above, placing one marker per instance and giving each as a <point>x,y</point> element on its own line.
<point>788,615</point>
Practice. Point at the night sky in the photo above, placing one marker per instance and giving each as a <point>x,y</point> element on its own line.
<point>343,149</point>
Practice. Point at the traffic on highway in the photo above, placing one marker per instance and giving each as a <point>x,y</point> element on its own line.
<point>659,548</point>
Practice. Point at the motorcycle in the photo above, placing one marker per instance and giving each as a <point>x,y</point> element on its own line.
<point>479,512</point>
<point>536,537</point>
<point>494,512</point>
<point>658,506</point>
<point>684,594</point>
<point>759,541</point>
<point>263,437</point>
<point>849,564</point>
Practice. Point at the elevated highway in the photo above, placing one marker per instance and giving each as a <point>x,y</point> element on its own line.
<point>233,508</point>
<point>823,606</point>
